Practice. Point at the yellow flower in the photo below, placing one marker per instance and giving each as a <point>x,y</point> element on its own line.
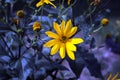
<point>104,21</point>
<point>62,40</point>
<point>69,2</point>
<point>36,26</point>
<point>20,13</point>
<point>41,2</point>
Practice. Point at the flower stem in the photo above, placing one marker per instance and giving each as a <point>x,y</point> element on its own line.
<point>69,7</point>
<point>41,13</point>
<point>7,45</point>
<point>98,29</point>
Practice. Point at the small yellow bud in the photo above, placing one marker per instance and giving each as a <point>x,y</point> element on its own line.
<point>36,26</point>
<point>20,13</point>
<point>104,21</point>
<point>19,30</point>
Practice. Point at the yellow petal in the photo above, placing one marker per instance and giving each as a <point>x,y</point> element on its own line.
<point>36,28</point>
<point>62,51</point>
<point>46,1</point>
<point>52,4</point>
<point>109,77</point>
<point>39,4</point>
<point>114,78</point>
<point>62,25</point>
<point>72,31</point>
<point>70,54</point>
<point>54,49</point>
<point>70,46</point>
<point>68,26</point>
<point>69,2</point>
<point>76,40</point>
<point>51,34</point>
<point>50,43</point>
<point>57,28</point>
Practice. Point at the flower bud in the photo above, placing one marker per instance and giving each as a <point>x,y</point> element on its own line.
<point>36,26</point>
<point>20,13</point>
<point>15,21</point>
<point>104,21</point>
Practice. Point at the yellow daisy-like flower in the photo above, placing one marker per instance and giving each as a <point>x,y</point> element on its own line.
<point>36,26</point>
<point>62,40</point>
<point>41,2</point>
<point>69,2</point>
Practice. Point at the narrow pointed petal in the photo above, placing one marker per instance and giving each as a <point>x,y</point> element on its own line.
<point>51,34</point>
<point>54,49</point>
<point>70,46</point>
<point>39,4</point>
<point>70,54</point>
<point>72,31</point>
<point>57,28</point>
<point>50,43</point>
<point>115,77</point>
<point>62,51</point>
<point>48,2</point>
<point>62,25</point>
<point>52,4</point>
<point>76,40</point>
<point>68,27</point>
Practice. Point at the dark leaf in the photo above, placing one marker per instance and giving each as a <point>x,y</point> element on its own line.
<point>44,68</point>
<point>91,62</point>
<point>40,74</point>
<point>15,78</point>
<point>4,27</point>
<point>4,75</point>
<point>25,72</point>
<point>2,48</point>
<point>77,66</point>
<point>92,44</point>
<point>93,65</point>
<point>4,58</point>
<point>17,5</point>
<point>50,65</point>
<point>15,67</point>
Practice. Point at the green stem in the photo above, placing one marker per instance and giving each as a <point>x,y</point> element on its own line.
<point>98,29</point>
<point>63,2</point>
<point>19,51</point>
<point>37,11</point>
<point>73,16</point>
<point>90,15</point>
<point>69,7</point>
<point>6,16</point>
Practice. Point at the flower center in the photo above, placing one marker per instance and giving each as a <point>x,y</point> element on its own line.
<point>63,39</point>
